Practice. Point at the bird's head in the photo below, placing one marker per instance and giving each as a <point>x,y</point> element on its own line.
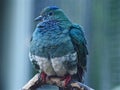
<point>52,13</point>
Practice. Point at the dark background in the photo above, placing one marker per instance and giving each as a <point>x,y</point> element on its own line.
<point>101,22</point>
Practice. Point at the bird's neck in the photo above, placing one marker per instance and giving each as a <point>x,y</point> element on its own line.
<point>65,24</point>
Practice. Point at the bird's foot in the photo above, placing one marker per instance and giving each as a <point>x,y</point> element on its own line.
<point>43,76</point>
<point>66,79</point>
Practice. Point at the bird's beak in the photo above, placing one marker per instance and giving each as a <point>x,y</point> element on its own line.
<point>39,18</point>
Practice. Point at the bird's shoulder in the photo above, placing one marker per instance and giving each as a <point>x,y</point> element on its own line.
<point>76,33</point>
<point>79,41</point>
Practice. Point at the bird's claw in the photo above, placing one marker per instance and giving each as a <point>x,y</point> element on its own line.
<point>43,76</point>
<point>66,79</point>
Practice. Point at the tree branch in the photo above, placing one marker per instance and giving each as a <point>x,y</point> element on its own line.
<point>36,82</point>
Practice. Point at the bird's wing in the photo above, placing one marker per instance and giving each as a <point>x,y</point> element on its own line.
<point>79,42</point>
<point>32,57</point>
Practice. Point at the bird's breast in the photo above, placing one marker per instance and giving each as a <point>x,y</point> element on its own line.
<point>52,44</point>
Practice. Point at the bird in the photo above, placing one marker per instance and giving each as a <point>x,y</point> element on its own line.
<point>58,46</point>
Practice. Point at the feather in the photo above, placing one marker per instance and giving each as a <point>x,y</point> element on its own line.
<point>79,42</point>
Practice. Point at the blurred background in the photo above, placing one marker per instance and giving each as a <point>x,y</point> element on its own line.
<point>101,22</point>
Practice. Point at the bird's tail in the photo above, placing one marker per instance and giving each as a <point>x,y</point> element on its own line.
<point>64,88</point>
<point>68,88</point>
<point>61,88</point>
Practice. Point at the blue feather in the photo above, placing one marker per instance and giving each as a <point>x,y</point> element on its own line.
<point>53,7</point>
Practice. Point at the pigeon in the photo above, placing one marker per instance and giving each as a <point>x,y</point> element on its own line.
<point>58,47</point>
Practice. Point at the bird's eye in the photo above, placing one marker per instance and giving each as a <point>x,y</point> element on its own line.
<point>50,14</point>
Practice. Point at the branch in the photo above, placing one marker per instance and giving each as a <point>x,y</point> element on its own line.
<point>36,82</point>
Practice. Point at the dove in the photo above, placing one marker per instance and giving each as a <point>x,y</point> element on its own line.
<point>58,46</point>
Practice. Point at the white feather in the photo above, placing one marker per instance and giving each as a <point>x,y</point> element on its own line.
<point>55,66</point>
